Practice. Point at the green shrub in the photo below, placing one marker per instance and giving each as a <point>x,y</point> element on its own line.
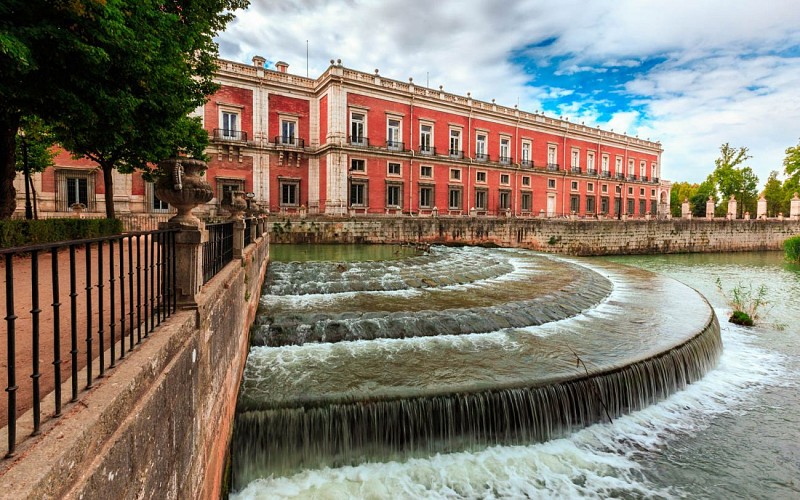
<point>17,233</point>
<point>745,302</point>
<point>741,318</point>
<point>791,248</point>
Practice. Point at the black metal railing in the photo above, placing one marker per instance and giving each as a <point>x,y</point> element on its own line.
<point>655,180</point>
<point>526,164</point>
<point>605,173</point>
<point>289,141</point>
<point>575,170</point>
<point>248,226</point>
<point>455,153</point>
<point>481,157</point>
<point>118,289</point>
<point>427,150</point>
<point>631,177</point>
<point>395,145</point>
<point>359,140</point>
<point>224,134</point>
<point>553,167</point>
<point>619,175</point>
<point>591,171</point>
<point>218,250</point>
<point>643,178</point>
<point>505,160</point>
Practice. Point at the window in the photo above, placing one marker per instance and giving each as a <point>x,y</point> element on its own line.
<point>358,165</point>
<point>357,128</point>
<point>551,183</point>
<point>505,179</point>
<point>504,200</point>
<point>455,143</point>
<point>576,159</point>
<point>604,204</point>
<point>290,193</point>
<point>642,169</point>
<point>358,194</point>
<point>393,139</point>
<point>480,199</point>
<point>480,176</point>
<point>480,147</point>
<point>605,165</point>
<point>604,188</point>
<point>526,181</point>
<point>590,162</point>
<point>642,207</point>
<point>653,207</point>
<point>225,188</point>
<point>619,189</point>
<point>426,171</point>
<point>653,171</point>
<point>574,185</point>
<point>630,206</point>
<point>77,191</point>
<point>74,186</point>
<point>394,195</point>
<point>574,203</point>
<point>526,153</point>
<point>454,199</point>
<point>426,197</point>
<point>590,208</point>
<point>641,191</point>
<point>552,154</point>
<point>505,150</point>
<point>288,128</point>
<point>653,193</point>
<point>155,204</point>
<point>526,202</point>
<point>230,125</point>
<point>455,174</point>
<point>590,187</point>
<point>630,167</point>
<point>393,169</point>
<point>618,165</point>
<point>630,190</point>
<point>426,138</point>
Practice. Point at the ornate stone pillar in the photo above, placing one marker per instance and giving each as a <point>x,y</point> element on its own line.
<point>686,212</point>
<point>794,207</point>
<point>761,209</point>
<point>180,183</point>
<point>732,206</point>
<point>236,204</point>
<point>710,205</point>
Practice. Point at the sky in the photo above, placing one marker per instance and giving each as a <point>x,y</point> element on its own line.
<point>693,74</point>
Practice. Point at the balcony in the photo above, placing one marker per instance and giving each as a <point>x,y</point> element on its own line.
<point>289,141</point>
<point>552,167</point>
<point>505,160</point>
<point>358,140</point>
<point>631,177</point>
<point>427,150</point>
<point>526,164</point>
<point>643,178</point>
<point>605,173</point>
<point>655,180</point>
<point>591,171</point>
<point>482,157</point>
<point>575,170</point>
<point>224,134</point>
<point>620,175</point>
<point>395,145</point>
<point>455,153</point>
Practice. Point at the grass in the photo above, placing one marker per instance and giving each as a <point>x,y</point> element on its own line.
<point>745,302</point>
<point>791,248</point>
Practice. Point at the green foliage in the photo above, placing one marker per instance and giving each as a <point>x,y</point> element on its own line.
<point>791,164</point>
<point>700,197</point>
<point>791,248</point>
<point>745,302</point>
<point>681,191</point>
<point>16,233</point>
<point>731,179</point>
<point>37,142</point>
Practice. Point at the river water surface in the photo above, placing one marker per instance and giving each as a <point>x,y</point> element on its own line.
<point>734,434</point>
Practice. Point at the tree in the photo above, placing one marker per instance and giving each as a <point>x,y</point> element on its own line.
<point>700,197</point>
<point>732,180</point>
<point>681,191</point>
<point>774,194</point>
<point>791,164</point>
<point>128,74</point>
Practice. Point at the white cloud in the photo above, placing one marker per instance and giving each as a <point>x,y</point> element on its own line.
<point>729,71</point>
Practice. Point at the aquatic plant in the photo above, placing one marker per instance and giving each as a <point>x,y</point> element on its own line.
<point>791,248</point>
<point>745,302</point>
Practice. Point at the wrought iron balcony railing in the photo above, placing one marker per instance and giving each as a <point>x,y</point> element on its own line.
<point>395,145</point>
<point>575,170</point>
<point>456,153</point>
<point>605,173</point>
<point>631,177</point>
<point>427,150</point>
<point>224,134</point>
<point>526,164</point>
<point>481,157</point>
<point>620,175</point>
<point>289,141</point>
<point>591,171</point>
<point>552,167</point>
<point>359,140</point>
<point>505,160</point>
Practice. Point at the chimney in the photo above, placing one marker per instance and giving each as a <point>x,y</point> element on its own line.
<point>259,62</point>
<point>282,66</point>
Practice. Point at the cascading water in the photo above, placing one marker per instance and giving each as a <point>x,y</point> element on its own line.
<point>456,350</point>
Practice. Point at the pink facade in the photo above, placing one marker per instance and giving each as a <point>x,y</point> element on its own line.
<point>351,143</point>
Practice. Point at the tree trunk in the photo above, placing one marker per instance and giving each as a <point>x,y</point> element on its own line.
<point>9,124</point>
<point>108,182</point>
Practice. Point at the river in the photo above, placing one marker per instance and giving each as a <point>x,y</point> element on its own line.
<point>734,434</point>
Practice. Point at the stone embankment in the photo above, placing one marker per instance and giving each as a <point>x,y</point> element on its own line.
<point>564,236</point>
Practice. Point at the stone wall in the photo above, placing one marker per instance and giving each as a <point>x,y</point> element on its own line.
<point>158,425</point>
<point>574,237</point>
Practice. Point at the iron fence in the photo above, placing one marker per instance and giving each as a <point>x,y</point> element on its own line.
<point>218,250</point>
<point>123,287</point>
<point>248,227</point>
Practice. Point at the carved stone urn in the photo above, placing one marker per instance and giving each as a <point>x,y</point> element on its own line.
<point>234,203</point>
<point>181,184</point>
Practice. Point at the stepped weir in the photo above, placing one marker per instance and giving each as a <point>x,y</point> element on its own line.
<point>456,350</point>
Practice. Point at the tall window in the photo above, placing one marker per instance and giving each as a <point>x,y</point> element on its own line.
<point>290,193</point>
<point>574,203</point>
<point>642,207</point>
<point>618,166</point>
<point>526,202</point>
<point>590,205</point>
<point>426,197</point>
<point>155,204</point>
<point>642,169</point>
<point>576,159</point>
<point>630,167</point>
<point>454,199</point>
<point>426,138</point>
<point>393,140</point>
<point>288,130</point>
<point>230,125</point>
<point>77,191</point>
<point>605,165</point>
<point>504,200</point>
<point>455,143</point>
<point>604,204</point>
<point>526,153</point>
<point>653,171</point>
<point>590,162</point>
<point>505,150</point>
<point>357,128</point>
<point>480,199</point>
<point>358,194</point>
<point>394,196</point>
<point>480,147</point>
<point>552,154</point>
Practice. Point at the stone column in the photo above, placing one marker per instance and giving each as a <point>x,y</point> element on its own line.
<point>732,206</point>
<point>761,209</point>
<point>236,204</point>
<point>794,208</point>
<point>710,205</point>
<point>180,183</point>
<point>686,211</point>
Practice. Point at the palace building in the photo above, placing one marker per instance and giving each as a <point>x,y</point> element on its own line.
<point>350,143</point>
